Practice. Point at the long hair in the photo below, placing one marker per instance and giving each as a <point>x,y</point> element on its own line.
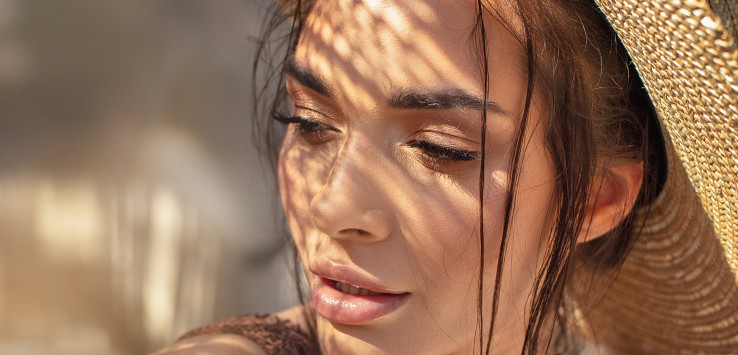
<point>599,114</point>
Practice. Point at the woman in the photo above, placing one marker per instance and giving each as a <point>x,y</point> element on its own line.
<point>464,177</point>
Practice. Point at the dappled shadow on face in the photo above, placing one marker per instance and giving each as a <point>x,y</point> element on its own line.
<point>367,195</point>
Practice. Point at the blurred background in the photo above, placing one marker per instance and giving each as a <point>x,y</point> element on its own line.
<point>132,204</point>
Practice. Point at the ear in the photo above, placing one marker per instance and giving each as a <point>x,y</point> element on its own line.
<point>612,196</point>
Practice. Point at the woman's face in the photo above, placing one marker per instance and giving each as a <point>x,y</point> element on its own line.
<point>379,175</point>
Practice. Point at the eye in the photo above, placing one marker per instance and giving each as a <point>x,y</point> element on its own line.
<point>312,132</point>
<point>439,154</point>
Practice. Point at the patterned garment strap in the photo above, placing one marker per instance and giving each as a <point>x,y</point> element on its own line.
<point>274,335</point>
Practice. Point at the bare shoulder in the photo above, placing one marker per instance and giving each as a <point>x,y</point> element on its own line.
<point>226,344</point>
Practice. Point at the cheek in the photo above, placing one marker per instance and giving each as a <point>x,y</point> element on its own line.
<point>301,172</point>
<point>443,244</point>
<point>530,232</point>
<point>448,257</point>
<point>442,237</point>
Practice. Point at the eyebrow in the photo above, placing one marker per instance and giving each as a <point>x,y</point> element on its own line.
<point>399,98</point>
<point>444,99</point>
<point>307,78</point>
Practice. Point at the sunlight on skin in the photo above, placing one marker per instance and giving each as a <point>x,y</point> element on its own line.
<point>419,220</point>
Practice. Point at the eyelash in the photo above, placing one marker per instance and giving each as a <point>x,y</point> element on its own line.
<point>438,154</point>
<point>443,154</point>
<point>305,127</point>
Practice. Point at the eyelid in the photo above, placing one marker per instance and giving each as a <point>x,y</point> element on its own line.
<point>453,153</point>
<point>288,119</point>
<point>309,131</point>
<point>447,139</point>
<point>311,108</point>
<point>453,131</point>
<point>304,98</point>
<point>300,120</point>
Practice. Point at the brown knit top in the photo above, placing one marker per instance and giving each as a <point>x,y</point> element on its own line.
<point>274,335</point>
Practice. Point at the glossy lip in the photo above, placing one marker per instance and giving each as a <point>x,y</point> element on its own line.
<point>344,308</point>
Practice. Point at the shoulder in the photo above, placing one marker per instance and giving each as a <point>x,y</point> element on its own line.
<point>225,344</point>
<point>285,332</point>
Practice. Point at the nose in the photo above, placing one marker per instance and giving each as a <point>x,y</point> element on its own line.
<point>351,204</point>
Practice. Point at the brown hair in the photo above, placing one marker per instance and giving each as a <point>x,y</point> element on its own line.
<point>599,114</point>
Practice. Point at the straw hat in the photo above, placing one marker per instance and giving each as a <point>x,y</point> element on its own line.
<point>676,292</point>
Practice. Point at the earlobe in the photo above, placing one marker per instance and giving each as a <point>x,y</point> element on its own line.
<point>612,196</point>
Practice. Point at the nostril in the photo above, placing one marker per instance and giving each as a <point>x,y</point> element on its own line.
<point>360,232</point>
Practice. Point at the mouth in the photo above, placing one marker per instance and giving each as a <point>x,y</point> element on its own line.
<point>352,290</point>
<point>345,303</point>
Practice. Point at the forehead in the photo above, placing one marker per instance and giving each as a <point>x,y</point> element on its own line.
<point>368,47</point>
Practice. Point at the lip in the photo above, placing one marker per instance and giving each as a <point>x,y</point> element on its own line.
<point>345,308</point>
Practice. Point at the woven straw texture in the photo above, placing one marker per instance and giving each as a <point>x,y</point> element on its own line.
<point>676,292</point>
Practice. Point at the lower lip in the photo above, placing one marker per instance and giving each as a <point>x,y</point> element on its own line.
<point>344,308</point>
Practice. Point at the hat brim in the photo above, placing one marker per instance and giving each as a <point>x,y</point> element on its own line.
<point>676,292</point>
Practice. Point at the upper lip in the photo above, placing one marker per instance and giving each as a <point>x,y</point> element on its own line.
<point>349,275</point>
